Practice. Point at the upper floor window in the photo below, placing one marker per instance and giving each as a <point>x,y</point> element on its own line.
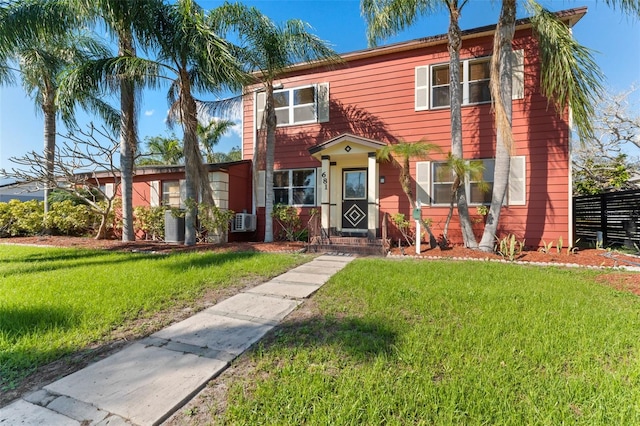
<point>432,82</point>
<point>294,187</point>
<point>296,105</point>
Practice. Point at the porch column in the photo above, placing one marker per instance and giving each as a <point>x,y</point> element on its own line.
<point>372,191</point>
<point>325,201</point>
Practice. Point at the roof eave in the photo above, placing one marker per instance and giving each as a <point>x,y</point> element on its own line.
<point>570,16</point>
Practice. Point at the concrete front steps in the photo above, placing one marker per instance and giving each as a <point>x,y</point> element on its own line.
<point>351,245</point>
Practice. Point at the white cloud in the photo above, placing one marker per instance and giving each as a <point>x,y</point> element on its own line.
<point>149,112</point>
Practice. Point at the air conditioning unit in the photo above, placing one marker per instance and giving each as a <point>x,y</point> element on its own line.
<point>244,222</point>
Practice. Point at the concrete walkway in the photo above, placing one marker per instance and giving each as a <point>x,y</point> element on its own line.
<point>149,380</point>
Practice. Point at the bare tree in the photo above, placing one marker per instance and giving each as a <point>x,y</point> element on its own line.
<point>612,155</point>
<point>82,157</point>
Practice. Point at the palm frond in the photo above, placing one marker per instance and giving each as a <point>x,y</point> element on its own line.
<point>628,7</point>
<point>569,74</point>
<point>407,150</point>
<point>26,22</point>
<point>228,108</point>
<point>386,18</point>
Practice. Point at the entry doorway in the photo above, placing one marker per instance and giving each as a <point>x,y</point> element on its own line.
<point>354,202</point>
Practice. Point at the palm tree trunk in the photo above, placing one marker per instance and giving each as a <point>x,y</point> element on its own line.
<point>501,82</point>
<point>455,42</point>
<point>192,157</point>
<point>49,110</point>
<point>269,162</point>
<point>455,188</point>
<point>128,141</point>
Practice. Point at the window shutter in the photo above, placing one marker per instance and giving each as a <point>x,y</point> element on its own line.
<point>261,189</point>
<point>261,101</point>
<point>517,67</point>
<point>517,181</point>
<point>183,192</point>
<point>422,88</point>
<point>323,102</point>
<point>108,190</point>
<point>154,193</point>
<point>423,182</point>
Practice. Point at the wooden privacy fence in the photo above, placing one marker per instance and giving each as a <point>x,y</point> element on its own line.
<point>615,214</point>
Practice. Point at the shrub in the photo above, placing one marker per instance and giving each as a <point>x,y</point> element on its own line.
<point>21,218</point>
<point>289,220</point>
<point>214,222</point>
<point>69,218</point>
<point>509,247</point>
<point>149,221</point>
<point>404,226</point>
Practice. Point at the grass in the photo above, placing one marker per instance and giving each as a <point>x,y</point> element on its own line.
<point>413,342</point>
<point>55,302</point>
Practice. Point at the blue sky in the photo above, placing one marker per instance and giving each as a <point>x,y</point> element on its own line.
<point>616,40</point>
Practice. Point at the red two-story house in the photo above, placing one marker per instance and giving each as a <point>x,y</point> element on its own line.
<point>331,123</point>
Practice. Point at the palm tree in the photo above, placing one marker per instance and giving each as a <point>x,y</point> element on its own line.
<point>569,78</point>
<point>461,171</point>
<point>210,135</point>
<point>401,153</point>
<point>270,50</point>
<point>129,20</point>
<point>190,49</point>
<point>387,17</point>
<point>192,58</point>
<point>161,151</point>
<point>42,64</point>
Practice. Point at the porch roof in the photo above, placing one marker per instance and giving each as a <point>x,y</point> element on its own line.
<point>326,147</point>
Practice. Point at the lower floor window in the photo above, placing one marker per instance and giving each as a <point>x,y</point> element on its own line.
<point>171,193</point>
<point>434,182</point>
<point>295,187</point>
<point>479,182</point>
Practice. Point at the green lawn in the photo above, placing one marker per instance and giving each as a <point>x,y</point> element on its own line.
<point>54,302</point>
<point>415,342</point>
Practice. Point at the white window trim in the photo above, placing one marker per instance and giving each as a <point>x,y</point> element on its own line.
<point>467,183</point>
<point>164,193</point>
<point>464,69</point>
<point>291,107</point>
<point>154,193</point>
<point>290,187</point>
<point>321,105</point>
<point>517,183</point>
<point>426,91</point>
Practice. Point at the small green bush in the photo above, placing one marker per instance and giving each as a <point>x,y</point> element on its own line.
<point>19,218</point>
<point>509,247</point>
<point>149,221</point>
<point>289,220</point>
<point>214,222</point>
<point>69,218</point>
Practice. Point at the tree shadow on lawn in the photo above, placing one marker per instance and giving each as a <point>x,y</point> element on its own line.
<point>68,261</point>
<point>17,323</point>
<point>364,339</point>
<point>54,254</point>
<point>209,259</point>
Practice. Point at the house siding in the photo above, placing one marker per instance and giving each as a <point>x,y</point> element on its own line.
<point>374,98</point>
<point>239,195</point>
